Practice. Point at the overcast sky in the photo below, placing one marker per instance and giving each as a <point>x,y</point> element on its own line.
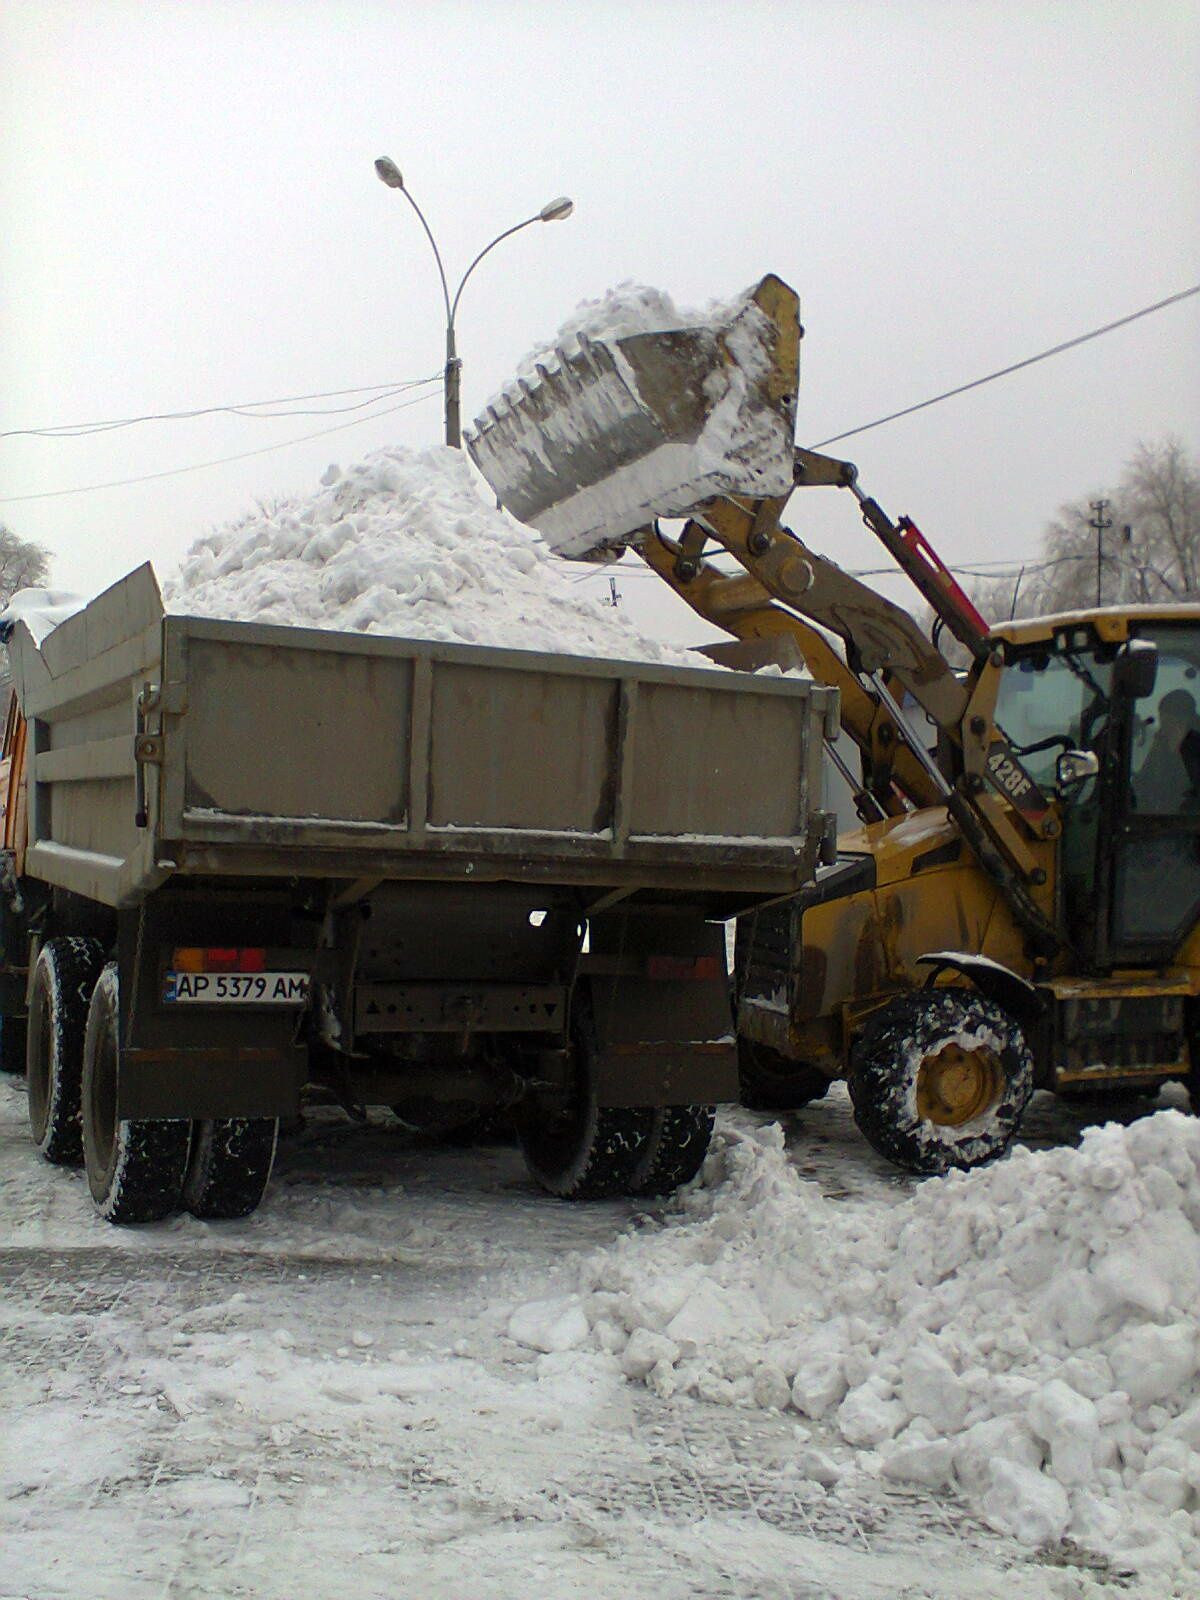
<point>191,219</point>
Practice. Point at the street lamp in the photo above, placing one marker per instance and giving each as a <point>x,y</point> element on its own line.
<point>552,211</point>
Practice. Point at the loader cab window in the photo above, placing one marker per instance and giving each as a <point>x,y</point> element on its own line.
<point>1130,854</point>
<point>1156,850</point>
<point>1056,697</point>
<point>1165,755</point>
<point>1055,700</point>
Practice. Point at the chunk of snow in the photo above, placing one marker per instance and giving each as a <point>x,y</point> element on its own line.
<point>549,1325</point>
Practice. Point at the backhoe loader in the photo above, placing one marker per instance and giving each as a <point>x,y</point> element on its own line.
<point>1019,907</point>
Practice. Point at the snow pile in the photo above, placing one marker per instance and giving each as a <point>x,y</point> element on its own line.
<point>1027,1333</point>
<point>403,543</point>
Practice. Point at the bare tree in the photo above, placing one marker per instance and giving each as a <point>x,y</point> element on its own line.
<point>23,564</point>
<point>1147,551</point>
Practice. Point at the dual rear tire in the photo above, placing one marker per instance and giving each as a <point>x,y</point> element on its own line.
<point>139,1169</point>
<point>577,1149</point>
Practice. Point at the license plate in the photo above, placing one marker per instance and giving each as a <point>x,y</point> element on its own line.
<point>236,988</point>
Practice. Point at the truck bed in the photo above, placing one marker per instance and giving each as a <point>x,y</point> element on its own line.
<point>163,745</point>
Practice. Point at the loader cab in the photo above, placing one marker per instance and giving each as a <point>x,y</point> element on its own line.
<point>1129,876</point>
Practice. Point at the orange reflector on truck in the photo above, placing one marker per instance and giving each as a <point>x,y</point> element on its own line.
<point>219,959</point>
<point>670,967</point>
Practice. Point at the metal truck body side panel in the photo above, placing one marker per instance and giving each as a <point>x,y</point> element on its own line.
<point>269,751</point>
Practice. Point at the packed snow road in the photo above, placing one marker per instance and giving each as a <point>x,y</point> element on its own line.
<point>325,1401</point>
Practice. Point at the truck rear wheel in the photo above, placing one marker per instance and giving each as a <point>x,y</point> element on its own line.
<point>940,1078</point>
<point>63,979</point>
<point>229,1166</point>
<point>771,1081</point>
<point>675,1151</point>
<point>135,1169</point>
<point>574,1147</point>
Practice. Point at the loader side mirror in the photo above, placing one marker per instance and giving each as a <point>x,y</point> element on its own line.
<point>1135,670</point>
<point>1073,768</point>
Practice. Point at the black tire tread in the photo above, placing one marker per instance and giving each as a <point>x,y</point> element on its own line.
<point>141,1178</point>
<point>678,1144</point>
<point>64,976</point>
<point>229,1166</point>
<point>605,1144</point>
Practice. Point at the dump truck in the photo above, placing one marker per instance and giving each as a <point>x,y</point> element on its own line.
<point>244,863</point>
<point>1020,907</point>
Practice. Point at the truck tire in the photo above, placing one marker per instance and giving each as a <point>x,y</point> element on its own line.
<point>63,979</point>
<point>579,1150</point>
<point>229,1166</point>
<point>771,1081</point>
<point>940,1078</point>
<point>676,1149</point>
<point>135,1169</point>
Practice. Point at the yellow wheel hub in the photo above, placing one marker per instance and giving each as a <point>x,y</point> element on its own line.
<point>956,1085</point>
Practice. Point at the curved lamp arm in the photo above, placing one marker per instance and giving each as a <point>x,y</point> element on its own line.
<point>500,237</point>
<point>553,211</point>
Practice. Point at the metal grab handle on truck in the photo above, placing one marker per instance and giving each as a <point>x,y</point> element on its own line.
<point>146,747</point>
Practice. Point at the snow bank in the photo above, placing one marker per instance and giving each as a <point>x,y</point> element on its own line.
<point>1028,1333</point>
<point>403,543</point>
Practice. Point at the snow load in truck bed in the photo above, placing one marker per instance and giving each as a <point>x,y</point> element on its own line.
<point>403,543</point>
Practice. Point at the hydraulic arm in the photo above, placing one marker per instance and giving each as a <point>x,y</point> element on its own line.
<point>698,423</point>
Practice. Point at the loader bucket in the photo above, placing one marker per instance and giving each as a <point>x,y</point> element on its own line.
<point>609,434</point>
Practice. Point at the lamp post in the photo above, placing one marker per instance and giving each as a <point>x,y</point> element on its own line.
<point>552,211</point>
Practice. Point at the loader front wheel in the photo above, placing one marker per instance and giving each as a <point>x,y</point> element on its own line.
<point>229,1166</point>
<point>63,979</point>
<point>940,1078</point>
<point>574,1147</point>
<point>135,1169</point>
<point>771,1081</point>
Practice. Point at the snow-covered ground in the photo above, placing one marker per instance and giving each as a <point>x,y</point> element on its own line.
<point>327,1399</point>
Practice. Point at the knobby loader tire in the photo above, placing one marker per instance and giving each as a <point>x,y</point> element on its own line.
<point>771,1081</point>
<point>578,1149</point>
<point>229,1166</point>
<point>676,1149</point>
<point>63,978</point>
<point>940,1078</point>
<point>135,1169</point>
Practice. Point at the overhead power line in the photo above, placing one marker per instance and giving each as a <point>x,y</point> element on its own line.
<point>78,430</point>
<point>244,455</point>
<point>240,408</point>
<point>1016,366</point>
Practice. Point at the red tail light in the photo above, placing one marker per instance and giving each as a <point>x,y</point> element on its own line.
<point>196,958</point>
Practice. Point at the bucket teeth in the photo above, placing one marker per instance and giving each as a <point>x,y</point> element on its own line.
<point>611,433</point>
